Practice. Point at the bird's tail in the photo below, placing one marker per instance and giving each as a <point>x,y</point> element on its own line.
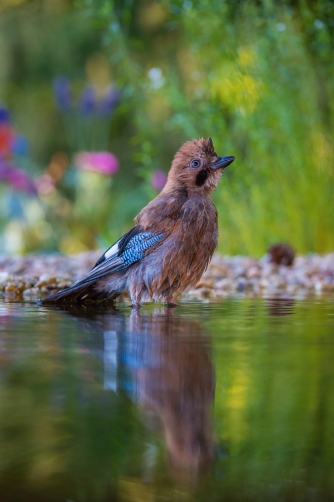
<point>80,292</point>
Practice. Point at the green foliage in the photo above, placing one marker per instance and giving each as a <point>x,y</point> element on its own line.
<point>260,74</point>
<point>256,76</point>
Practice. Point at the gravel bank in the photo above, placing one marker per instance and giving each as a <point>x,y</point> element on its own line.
<point>34,276</point>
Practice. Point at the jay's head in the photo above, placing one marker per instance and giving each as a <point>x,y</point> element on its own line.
<point>197,167</point>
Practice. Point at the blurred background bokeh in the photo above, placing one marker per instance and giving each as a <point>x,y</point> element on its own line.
<point>97,95</point>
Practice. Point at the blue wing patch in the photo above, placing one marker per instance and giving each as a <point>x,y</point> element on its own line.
<point>136,247</point>
<point>128,250</point>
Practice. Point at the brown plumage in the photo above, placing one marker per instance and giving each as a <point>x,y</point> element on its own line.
<point>177,387</point>
<point>282,254</point>
<point>164,364</point>
<point>178,230</point>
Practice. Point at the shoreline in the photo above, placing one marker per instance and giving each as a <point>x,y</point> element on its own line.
<point>35,276</point>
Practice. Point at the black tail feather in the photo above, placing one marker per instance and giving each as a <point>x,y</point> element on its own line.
<point>80,293</point>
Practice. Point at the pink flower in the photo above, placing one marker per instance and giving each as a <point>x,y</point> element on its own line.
<point>158,180</point>
<point>100,162</point>
<point>45,184</point>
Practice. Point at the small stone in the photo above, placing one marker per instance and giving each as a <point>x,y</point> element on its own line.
<point>46,281</point>
<point>3,277</point>
<point>240,286</point>
<point>47,289</point>
<point>225,284</point>
<point>253,272</point>
<point>44,277</point>
<point>328,286</point>
<point>291,289</point>
<point>29,284</point>
<point>263,284</point>
<point>31,292</point>
<point>64,284</point>
<point>12,290</point>
<point>206,293</point>
<point>20,286</point>
<point>203,284</point>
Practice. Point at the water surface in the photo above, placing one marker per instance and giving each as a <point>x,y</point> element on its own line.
<point>229,401</point>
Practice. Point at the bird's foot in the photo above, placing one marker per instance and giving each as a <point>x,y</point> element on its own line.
<point>170,302</point>
<point>136,306</point>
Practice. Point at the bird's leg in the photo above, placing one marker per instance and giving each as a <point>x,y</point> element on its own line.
<point>135,306</point>
<point>135,296</point>
<point>170,301</point>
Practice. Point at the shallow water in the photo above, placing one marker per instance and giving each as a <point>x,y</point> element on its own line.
<point>229,401</point>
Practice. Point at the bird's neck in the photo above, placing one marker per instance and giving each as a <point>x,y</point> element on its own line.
<point>178,189</point>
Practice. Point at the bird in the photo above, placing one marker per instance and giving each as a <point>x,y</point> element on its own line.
<point>173,239</point>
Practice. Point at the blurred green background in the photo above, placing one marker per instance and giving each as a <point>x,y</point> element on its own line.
<point>139,78</point>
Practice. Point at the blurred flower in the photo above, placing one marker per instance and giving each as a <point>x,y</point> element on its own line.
<point>88,101</point>
<point>6,138</point>
<point>45,184</point>
<point>100,162</point>
<point>62,93</point>
<point>187,4</point>
<point>17,178</point>
<point>13,144</point>
<point>319,24</point>
<point>158,180</point>
<point>19,145</point>
<point>109,101</point>
<point>4,115</point>
<point>280,27</point>
<point>156,78</point>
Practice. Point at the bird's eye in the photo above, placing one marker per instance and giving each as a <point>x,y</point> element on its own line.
<point>195,163</point>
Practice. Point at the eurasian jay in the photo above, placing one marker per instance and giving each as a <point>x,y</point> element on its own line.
<point>173,241</point>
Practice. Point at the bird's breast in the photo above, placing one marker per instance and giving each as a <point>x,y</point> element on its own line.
<point>193,239</point>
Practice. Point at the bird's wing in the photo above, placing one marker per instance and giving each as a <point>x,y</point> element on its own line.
<point>127,250</point>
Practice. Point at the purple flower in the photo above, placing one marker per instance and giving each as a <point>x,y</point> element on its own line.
<point>19,145</point>
<point>109,101</point>
<point>17,178</point>
<point>158,180</point>
<point>4,115</point>
<point>62,93</point>
<point>100,162</point>
<point>88,101</point>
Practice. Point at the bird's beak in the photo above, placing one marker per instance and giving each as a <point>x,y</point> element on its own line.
<point>222,162</point>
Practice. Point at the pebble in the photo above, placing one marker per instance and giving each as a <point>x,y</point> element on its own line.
<point>31,293</point>
<point>34,276</point>
<point>46,280</point>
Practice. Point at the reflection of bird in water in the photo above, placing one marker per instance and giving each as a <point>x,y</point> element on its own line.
<point>164,365</point>
<point>175,379</point>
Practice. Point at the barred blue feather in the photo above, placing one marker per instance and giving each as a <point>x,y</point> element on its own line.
<point>128,250</point>
<point>135,249</point>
